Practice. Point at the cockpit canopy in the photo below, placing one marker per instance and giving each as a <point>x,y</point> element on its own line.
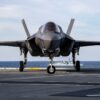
<point>50,27</point>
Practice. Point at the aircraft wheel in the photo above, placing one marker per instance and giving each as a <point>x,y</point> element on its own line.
<point>77,66</point>
<point>21,68</point>
<point>51,69</point>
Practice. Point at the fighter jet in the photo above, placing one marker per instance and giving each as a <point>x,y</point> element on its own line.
<point>49,41</point>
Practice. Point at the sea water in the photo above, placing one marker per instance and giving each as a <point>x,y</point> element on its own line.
<point>86,64</point>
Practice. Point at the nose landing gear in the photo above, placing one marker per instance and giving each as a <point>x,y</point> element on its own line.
<point>51,69</point>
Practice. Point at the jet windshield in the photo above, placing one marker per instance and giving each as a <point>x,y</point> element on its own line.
<point>50,26</point>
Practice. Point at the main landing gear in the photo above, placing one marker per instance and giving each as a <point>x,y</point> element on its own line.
<point>51,69</point>
<point>75,63</point>
<point>21,68</point>
<point>23,63</point>
<point>77,66</point>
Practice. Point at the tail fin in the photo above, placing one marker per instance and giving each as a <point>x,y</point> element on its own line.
<point>25,28</point>
<point>70,26</point>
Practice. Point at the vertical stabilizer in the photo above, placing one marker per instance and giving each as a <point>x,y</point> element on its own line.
<point>25,28</point>
<point>70,26</point>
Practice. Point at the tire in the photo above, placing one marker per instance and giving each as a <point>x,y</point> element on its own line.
<point>77,66</point>
<point>49,69</point>
<point>21,68</point>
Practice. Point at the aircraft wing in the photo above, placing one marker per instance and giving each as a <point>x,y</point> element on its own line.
<point>12,43</point>
<point>86,43</point>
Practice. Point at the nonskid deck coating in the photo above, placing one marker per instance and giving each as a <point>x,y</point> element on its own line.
<point>38,85</point>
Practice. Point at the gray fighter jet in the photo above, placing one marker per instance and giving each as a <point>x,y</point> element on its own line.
<point>50,41</point>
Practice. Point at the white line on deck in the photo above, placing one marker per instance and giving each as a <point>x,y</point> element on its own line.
<point>94,95</point>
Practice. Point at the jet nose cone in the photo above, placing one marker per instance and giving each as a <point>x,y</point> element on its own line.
<point>50,45</point>
<point>49,42</point>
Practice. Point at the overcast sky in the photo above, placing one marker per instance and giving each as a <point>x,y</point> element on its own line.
<point>37,12</point>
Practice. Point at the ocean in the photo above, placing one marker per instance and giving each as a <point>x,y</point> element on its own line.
<point>15,64</point>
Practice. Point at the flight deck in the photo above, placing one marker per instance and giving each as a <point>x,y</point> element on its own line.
<point>39,85</point>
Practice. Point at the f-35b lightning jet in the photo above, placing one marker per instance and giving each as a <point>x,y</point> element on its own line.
<point>50,41</point>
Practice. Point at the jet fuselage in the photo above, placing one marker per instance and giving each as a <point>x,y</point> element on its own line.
<point>50,41</point>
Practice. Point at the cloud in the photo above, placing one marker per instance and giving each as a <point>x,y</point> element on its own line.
<point>8,11</point>
<point>37,12</point>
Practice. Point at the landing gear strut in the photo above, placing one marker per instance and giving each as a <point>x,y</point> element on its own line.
<point>23,63</point>
<point>51,69</point>
<point>75,63</point>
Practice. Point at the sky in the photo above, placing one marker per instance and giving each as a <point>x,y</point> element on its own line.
<point>38,12</point>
